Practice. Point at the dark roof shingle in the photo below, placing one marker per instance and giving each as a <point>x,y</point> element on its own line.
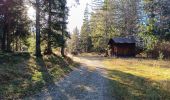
<point>123,40</point>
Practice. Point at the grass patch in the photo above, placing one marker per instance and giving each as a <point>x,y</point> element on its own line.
<point>139,79</point>
<point>22,74</point>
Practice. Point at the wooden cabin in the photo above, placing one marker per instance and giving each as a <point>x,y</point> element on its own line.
<point>122,46</point>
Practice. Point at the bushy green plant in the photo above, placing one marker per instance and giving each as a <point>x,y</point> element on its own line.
<point>31,44</point>
<point>161,55</point>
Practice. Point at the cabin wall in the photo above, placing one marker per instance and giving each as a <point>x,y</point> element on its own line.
<point>123,49</point>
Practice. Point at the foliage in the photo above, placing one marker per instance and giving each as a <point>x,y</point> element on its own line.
<point>111,18</point>
<point>14,24</point>
<point>74,42</point>
<point>154,29</point>
<point>161,56</point>
<point>146,19</point>
<point>161,50</point>
<point>150,40</point>
<point>85,34</point>
<point>31,44</point>
<point>55,29</point>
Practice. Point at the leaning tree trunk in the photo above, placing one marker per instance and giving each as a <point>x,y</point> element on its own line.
<point>38,48</point>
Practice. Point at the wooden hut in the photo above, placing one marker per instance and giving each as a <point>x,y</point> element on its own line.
<point>122,46</point>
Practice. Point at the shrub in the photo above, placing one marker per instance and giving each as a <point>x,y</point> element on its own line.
<point>161,50</point>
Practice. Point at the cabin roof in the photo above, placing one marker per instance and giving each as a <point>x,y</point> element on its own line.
<point>122,40</point>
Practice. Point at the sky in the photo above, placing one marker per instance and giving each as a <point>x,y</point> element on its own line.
<point>76,14</point>
<point>31,12</point>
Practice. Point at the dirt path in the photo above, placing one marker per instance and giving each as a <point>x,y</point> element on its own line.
<point>89,82</point>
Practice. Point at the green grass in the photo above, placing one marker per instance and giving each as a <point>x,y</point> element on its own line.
<point>139,79</point>
<point>22,74</point>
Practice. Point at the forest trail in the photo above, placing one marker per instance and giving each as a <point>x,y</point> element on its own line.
<point>89,82</point>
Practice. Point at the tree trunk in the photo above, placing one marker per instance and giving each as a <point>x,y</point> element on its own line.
<point>3,46</point>
<point>49,50</point>
<point>20,45</point>
<point>8,49</point>
<point>16,44</point>
<point>62,50</point>
<point>63,45</point>
<point>38,48</point>
<point>8,31</point>
<point>13,44</point>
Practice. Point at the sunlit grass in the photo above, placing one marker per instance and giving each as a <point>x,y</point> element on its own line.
<point>139,79</point>
<point>22,74</point>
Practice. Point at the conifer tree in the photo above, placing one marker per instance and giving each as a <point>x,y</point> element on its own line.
<point>85,38</point>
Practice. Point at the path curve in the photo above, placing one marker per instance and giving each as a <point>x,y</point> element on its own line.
<point>89,82</point>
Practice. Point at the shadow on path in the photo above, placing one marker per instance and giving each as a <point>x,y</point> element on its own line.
<point>51,87</point>
<point>80,84</point>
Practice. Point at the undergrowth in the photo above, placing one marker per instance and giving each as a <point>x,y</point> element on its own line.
<point>21,74</point>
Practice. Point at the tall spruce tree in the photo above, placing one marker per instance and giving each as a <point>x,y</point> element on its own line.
<point>55,31</point>
<point>85,35</point>
<point>14,26</point>
<point>74,42</point>
<point>64,33</point>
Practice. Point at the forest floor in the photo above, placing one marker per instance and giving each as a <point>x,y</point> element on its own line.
<point>98,78</point>
<point>22,74</point>
<point>101,78</point>
<point>89,82</point>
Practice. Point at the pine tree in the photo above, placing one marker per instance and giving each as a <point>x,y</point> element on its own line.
<point>64,33</point>
<point>55,33</point>
<point>113,18</point>
<point>85,38</point>
<point>14,26</point>
<point>74,43</point>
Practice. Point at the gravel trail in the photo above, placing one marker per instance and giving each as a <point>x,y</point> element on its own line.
<point>89,82</point>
